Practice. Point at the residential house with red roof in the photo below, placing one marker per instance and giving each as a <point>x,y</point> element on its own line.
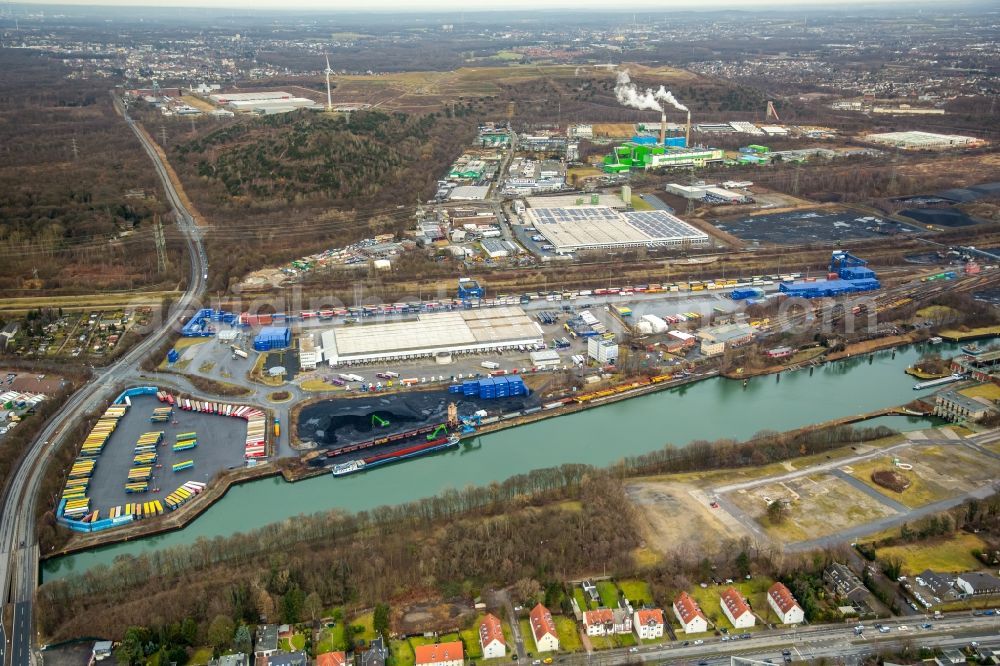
<point>648,623</point>
<point>598,622</point>
<point>440,654</point>
<point>491,638</point>
<point>543,628</point>
<point>736,608</point>
<point>331,659</point>
<point>688,613</point>
<point>784,604</point>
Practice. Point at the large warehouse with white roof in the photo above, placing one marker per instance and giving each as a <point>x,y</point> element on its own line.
<point>598,227</point>
<point>475,331</point>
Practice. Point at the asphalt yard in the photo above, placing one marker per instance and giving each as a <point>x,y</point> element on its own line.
<point>221,441</point>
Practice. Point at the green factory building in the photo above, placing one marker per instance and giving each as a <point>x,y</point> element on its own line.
<point>633,156</point>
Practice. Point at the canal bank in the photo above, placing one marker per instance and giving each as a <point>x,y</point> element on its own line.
<point>709,409</point>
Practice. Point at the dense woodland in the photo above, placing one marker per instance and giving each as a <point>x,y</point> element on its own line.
<point>280,186</point>
<point>66,223</point>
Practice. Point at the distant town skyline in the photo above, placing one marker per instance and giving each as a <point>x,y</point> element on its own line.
<point>459,5</point>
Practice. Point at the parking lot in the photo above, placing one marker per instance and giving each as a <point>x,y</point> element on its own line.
<point>221,441</point>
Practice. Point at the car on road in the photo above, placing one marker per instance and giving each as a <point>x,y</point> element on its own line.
<point>686,643</point>
<point>699,642</point>
<point>902,627</point>
<point>536,662</point>
<point>633,650</point>
<point>547,660</point>
<point>927,626</point>
<point>744,636</point>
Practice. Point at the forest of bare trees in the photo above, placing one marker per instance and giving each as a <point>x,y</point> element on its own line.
<point>278,187</point>
<point>77,195</point>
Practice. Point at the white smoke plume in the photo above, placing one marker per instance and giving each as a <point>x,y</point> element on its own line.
<point>629,95</point>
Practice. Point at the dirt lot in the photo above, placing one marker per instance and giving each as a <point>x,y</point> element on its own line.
<point>421,617</point>
<point>819,504</point>
<point>671,513</point>
<point>30,382</point>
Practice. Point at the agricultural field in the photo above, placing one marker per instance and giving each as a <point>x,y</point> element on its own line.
<point>949,554</point>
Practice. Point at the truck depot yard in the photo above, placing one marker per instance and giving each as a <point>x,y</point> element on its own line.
<point>812,225</point>
<point>220,446</point>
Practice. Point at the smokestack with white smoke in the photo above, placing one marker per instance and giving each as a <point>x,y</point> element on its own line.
<point>628,94</point>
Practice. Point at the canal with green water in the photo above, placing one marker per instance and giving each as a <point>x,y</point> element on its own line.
<point>709,409</point>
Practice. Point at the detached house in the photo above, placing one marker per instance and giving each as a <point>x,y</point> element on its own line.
<point>736,609</point>
<point>784,605</point>
<point>689,614</point>
<point>649,623</point>
<point>491,638</point>
<point>543,628</point>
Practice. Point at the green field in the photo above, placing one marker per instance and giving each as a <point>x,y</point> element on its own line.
<point>367,622</point>
<point>527,634</point>
<point>608,592</point>
<point>636,591</point>
<point>951,554</point>
<point>613,641</point>
<point>582,600</point>
<point>402,653</point>
<point>569,635</point>
<point>330,640</point>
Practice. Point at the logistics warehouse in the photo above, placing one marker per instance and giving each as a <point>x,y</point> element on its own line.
<point>431,334</point>
<point>600,227</point>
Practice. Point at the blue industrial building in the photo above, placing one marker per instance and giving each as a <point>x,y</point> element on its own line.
<point>469,288</point>
<point>199,326</point>
<point>273,337</point>
<point>849,275</point>
<point>490,388</point>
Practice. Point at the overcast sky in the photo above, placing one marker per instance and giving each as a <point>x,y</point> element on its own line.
<point>452,5</point>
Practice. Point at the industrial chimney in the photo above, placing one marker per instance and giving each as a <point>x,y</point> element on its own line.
<point>687,132</point>
<point>663,129</point>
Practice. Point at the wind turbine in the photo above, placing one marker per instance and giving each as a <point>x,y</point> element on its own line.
<point>329,99</point>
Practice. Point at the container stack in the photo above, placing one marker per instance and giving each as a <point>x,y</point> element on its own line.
<point>180,496</point>
<point>161,415</point>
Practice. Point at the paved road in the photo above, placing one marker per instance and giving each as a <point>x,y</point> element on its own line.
<point>810,642</point>
<point>19,564</point>
<point>515,627</point>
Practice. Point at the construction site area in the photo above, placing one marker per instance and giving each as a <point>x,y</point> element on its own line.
<point>825,499</point>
